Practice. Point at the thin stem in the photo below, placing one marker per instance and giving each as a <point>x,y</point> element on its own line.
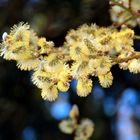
<point>130,18</point>
<point>130,3</point>
<point>135,55</point>
<point>136,37</point>
<point>123,23</point>
<point>122,6</point>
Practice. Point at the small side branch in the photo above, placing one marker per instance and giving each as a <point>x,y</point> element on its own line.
<point>135,55</point>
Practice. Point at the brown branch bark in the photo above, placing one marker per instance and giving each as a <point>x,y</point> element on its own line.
<point>135,55</point>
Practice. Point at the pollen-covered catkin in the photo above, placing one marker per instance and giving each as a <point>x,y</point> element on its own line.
<point>88,51</point>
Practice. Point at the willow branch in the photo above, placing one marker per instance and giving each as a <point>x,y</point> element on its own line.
<point>135,55</point>
<point>123,23</point>
<point>136,37</point>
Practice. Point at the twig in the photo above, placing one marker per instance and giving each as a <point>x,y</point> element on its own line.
<point>122,6</point>
<point>136,37</point>
<point>123,23</point>
<point>135,55</point>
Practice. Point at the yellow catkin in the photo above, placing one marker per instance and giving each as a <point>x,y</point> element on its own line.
<point>106,80</point>
<point>84,87</point>
<point>74,113</point>
<point>63,86</point>
<point>134,65</point>
<point>50,94</point>
<point>88,51</point>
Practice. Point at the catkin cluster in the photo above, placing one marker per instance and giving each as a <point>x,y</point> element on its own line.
<point>88,51</point>
<point>125,12</point>
<point>82,129</point>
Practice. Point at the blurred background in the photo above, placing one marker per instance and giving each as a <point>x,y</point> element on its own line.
<point>23,113</point>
